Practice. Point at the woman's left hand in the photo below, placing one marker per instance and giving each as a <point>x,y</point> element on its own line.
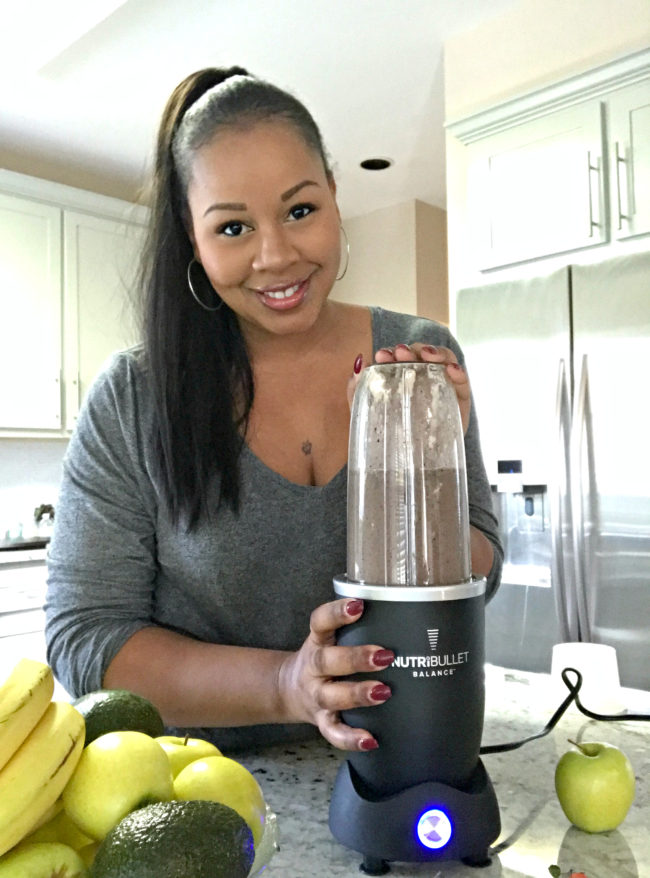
<point>425,353</point>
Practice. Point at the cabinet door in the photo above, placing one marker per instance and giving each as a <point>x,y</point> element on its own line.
<point>100,264</point>
<point>536,189</point>
<point>30,326</point>
<point>629,113</point>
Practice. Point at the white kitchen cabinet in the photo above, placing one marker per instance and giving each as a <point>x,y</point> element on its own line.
<point>563,169</point>
<point>67,267</point>
<point>100,258</point>
<point>30,326</point>
<point>537,188</point>
<point>629,138</point>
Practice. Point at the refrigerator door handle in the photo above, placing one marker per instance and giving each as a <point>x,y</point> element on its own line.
<point>581,434</point>
<point>560,497</point>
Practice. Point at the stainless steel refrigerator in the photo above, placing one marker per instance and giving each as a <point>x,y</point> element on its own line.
<point>560,370</point>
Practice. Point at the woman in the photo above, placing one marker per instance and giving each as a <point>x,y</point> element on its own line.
<point>203,506</point>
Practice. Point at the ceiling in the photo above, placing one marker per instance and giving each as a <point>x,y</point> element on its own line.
<point>89,79</point>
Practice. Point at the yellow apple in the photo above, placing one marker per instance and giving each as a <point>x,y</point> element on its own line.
<point>117,772</point>
<point>182,751</point>
<point>220,779</point>
<point>42,858</point>
<point>61,829</point>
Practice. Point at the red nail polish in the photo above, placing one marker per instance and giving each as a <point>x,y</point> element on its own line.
<point>383,658</point>
<point>380,692</point>
<point>358,363</point>
<point>430,349</point>
<point>368,744</point>
<point>354,607</point>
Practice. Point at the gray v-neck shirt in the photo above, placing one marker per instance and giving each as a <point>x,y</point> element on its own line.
<point>117,564</point>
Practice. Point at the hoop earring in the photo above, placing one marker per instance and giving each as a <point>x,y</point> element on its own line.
<point>347,255</point>
<point>192,290</point>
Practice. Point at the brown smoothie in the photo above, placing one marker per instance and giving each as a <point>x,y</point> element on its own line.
<point>417,540</point>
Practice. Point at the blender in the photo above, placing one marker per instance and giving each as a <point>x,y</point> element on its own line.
<point>424,794</point>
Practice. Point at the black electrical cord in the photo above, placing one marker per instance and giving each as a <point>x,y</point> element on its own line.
<point>574,689</point>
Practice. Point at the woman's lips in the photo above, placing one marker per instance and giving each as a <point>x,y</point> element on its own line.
<point>281,298</point>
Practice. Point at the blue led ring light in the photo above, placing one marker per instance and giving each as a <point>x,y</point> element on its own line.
<point>434,829</point>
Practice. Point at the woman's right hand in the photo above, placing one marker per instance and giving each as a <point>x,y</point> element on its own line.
<point>312,681</point>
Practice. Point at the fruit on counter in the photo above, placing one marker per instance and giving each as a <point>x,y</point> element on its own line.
<point>34,777</point>
<point>116,710</point>
<point>595,786</point>
<point>177,840</point>
<point>182,751</point>
<point>24,697</point>
<point>117,772</point>
<point>220,779</point>
<point>42,860</point>
<point>60,828</point>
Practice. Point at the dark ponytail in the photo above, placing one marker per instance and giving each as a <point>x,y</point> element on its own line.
<point>197,363</point>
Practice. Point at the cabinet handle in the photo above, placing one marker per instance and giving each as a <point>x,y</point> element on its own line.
<point>59,383</point>
<point>620,160</point>
<point>590,168</point>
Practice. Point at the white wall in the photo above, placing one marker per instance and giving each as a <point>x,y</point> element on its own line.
<point>535,43</point>
<point>30,473</point>
<point>381,270</point>
<point>398,260</point>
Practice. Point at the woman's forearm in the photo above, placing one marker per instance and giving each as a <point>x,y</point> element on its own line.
<point>200,684</point>
<point>482,552</point>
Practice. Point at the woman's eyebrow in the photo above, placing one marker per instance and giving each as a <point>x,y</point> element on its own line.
<point>294,189</point>
<point>239,205</point>
<point>225,205</point>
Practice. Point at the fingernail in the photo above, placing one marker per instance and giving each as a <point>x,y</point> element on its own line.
<point>358,363</point>
<point>456,366</point>
<point>383,658</point>
<point>368,744</point>
<point>380,692</point>
<point>354,607</point>
<point>404,347</point>
<point>430,349</point>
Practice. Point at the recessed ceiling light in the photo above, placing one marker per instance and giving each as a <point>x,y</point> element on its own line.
<point>376,164</point>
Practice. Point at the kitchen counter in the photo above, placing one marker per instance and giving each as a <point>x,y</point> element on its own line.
<point>297,781</point>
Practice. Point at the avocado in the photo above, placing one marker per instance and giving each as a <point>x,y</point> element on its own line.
<point>195,839</point>
<point>118,710</point>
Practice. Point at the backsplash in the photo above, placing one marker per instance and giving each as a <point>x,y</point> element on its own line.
<point>30,474</point>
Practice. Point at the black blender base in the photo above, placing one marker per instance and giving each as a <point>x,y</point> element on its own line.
<point>424,823</point>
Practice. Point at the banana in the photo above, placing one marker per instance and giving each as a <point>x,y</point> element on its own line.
<point>35,776</point>
<point>24,698</point>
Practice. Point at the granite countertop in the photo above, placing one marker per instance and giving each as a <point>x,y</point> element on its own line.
<point>297,781</point>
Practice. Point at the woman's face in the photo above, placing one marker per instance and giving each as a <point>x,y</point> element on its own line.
<point>265,226</point>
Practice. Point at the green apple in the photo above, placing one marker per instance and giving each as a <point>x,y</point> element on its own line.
<point>117,772</point>
<point>42,859</point>
<point>182,751</point>
<point>220,779</point>
<point>595,786</point>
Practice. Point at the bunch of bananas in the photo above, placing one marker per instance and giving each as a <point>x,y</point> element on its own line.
<point>40,744</point>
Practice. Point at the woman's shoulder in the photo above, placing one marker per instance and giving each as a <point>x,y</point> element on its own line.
<point>392,327</point>
<point>122,375</point>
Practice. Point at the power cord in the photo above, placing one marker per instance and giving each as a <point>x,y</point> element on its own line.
<point>574,689</point>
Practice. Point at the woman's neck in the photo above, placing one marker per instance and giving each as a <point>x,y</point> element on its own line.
<point>322,337</point>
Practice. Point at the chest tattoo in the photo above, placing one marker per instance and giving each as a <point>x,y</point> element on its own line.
<point>306,447</point>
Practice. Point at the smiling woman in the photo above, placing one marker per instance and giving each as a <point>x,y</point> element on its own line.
<point>202,514</point>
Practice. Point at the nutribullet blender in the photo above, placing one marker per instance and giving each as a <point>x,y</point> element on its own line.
<point>424,794</point>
